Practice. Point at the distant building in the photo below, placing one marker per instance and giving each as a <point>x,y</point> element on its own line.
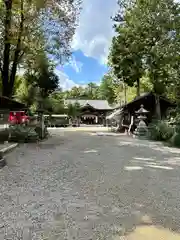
<point>91,111</point>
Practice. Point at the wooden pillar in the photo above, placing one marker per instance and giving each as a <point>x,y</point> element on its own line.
<point>158,107</point>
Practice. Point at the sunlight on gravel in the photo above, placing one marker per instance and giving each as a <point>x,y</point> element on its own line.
<point>130,168</point>
<point>150,233</point>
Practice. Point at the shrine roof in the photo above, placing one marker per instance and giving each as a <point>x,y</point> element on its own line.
<point>7,103</point>
<point>96,104</point>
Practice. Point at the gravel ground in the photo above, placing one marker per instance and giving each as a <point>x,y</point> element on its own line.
<point>86,187</point>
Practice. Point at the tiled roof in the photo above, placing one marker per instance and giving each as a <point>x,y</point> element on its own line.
<point>97,104</point>
<point>7,103</point>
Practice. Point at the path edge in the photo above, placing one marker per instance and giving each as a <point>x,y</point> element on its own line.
<point>5,151</point>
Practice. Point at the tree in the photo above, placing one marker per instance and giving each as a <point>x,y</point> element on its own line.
<point>25,92</point>
<point>147,42</point>
<point>106,89</point>
<point>36,85</point>
<point>125,58</point>
<point>74,93</point>
<point>73,110</point>
<point>46,79</point>
<point>32,27</point>
<point>56,103</point>
<point>91,91</point>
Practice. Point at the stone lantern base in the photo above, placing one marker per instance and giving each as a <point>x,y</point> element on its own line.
<point>141,130</point>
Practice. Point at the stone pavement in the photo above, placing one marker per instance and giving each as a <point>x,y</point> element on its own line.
<point>79,186</point>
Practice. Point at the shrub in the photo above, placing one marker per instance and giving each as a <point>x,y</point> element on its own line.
<point>175,120</point>
<point>175,140</point>
<point>22,133</point>
<point>160,131</point>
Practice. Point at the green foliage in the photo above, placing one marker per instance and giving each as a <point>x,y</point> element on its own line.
<point>30,28</point>
<point>56,103</point>
<point>34,88</point>
<point>106,89</point>
<point>175,140</point>
<point>146,43</point>
<point>91,91</point>
<point>22,133</point>
<point>25,92</point>
<point>73,110</point>
<point>44,77</point>
<point>160,131</point>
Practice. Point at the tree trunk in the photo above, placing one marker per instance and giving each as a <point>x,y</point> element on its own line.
<point>125,93</point>
<point>7,46</point>
<point>177,94</point>
<point>138,87</point>
<point>17,51</point>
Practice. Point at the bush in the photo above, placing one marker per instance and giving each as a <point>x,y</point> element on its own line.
<point>22,133</point>
<point>175,120</point>
<point>160,131</point>
<point>164,130</point>
<point>175,140</point>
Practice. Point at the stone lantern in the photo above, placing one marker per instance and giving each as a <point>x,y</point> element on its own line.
<point>141,130</point>
<point>41,120</point>
<point>41,123</point>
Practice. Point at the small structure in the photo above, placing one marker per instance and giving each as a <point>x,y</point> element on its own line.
<point>149,102</point>
<point>91,111</point>
<point>7,103</point>
<point>41,123</point>
<point>141,130</point>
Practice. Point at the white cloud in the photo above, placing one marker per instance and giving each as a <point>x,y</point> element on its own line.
<point>64,82</point>
<point>76,65</point>
<point>94,33</point>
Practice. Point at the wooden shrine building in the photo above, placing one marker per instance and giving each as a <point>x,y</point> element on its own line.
<point>149,102</point>
<point>91,111</point>
<point>9,104</point>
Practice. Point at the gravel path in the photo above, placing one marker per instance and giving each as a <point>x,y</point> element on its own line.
<point>79,186</point>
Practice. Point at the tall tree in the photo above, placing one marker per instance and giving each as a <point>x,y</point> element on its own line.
<point>32,26</point>
<point>147,42</point>
<point>46,79</point>
<point>106,89</point>
<point>125,58</point>
<point>73,110</point>
<point>92,91</point>
<point>25,92</point>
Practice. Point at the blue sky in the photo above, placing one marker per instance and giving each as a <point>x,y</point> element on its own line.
<point>90,45</point>
<point>83,69</point>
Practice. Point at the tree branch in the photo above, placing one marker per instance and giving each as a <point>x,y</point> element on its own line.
<point>20,56</point>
